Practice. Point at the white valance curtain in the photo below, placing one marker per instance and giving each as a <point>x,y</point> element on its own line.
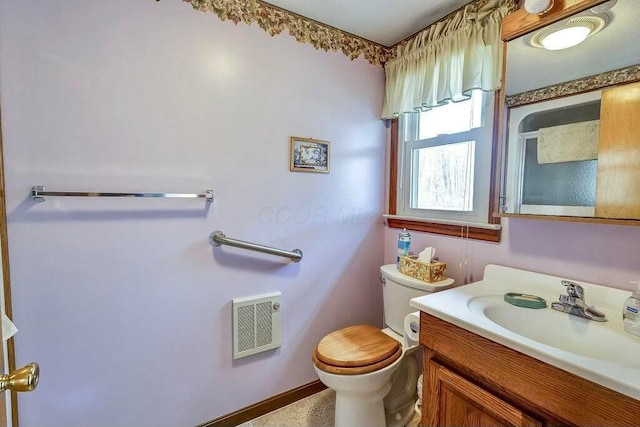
<point>447,60</point>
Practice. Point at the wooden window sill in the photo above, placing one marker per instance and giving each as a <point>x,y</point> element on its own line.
<point>484,232</point>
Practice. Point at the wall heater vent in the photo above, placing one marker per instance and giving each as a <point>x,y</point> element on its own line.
<point>257,324</point>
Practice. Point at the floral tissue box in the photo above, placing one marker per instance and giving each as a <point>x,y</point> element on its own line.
<point>433,272</point>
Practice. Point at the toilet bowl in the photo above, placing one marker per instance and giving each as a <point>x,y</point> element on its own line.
<point>374,372</point>
<point>360,373</point>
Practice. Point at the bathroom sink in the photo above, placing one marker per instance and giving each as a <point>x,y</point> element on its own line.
<point>601,352</point>
<point>606,341</point>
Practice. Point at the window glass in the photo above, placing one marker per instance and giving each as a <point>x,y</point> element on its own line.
<point>443,177</point>
<point>451,118</point>
<point>445,161</point>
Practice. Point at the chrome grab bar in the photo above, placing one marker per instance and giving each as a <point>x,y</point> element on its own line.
<point>217,238</point>
<point>38,194</point>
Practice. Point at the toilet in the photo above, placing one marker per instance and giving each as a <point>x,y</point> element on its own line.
<point>375,372</point>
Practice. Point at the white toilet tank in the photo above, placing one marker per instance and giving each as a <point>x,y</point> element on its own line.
<point>398,289</point>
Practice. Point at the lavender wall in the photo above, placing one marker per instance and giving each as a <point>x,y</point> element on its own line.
<point>123,302</point>
<point>595,253</point>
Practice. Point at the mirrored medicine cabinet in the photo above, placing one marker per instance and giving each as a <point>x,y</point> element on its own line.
<point>569,141</point>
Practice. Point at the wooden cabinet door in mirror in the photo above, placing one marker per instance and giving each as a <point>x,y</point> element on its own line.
<point>618,182</point>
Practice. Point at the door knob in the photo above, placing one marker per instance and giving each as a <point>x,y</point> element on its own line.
<point>22,379</point>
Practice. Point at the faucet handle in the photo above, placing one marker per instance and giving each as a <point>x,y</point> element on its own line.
<point>573,289</point>
<point>567,299</point>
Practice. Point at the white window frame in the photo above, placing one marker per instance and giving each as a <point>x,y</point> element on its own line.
<point>483,137</point>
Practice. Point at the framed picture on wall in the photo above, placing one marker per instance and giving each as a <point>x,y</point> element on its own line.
<point>308,155</point>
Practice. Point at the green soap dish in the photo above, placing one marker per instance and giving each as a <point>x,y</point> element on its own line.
<point>525,300</point>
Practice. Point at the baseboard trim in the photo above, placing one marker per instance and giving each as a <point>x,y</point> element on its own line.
<point>271,404</point>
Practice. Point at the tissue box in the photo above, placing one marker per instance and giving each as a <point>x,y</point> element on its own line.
<point>433,272</point>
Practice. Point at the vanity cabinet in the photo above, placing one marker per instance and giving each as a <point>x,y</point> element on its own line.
<point>472,381</point>
<point>457,401</point>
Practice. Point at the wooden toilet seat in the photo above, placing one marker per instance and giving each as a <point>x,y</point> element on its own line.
<point>356,350</point>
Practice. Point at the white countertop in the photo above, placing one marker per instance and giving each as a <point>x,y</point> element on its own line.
<point>601,352</point>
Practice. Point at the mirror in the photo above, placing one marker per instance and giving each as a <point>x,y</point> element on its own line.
<point>615,46</point>
<point>553,162</point>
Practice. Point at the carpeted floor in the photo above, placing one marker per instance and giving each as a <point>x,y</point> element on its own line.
<point>314,411</point>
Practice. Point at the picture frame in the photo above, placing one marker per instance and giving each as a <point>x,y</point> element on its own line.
<point>309,155</point>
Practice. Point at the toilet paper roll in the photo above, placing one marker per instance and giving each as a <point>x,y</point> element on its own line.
<point>411,329</point>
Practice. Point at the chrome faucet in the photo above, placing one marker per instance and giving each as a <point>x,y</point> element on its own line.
<point>573,303</point>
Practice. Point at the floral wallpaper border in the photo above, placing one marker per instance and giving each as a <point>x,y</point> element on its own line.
<point>274,20</point>
<point>574,87</point>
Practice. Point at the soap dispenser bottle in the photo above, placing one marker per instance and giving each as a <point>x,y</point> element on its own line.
<point>404,241</point>
<point>631,311</point>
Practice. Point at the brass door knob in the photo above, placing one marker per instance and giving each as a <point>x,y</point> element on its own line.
<point>22,379</point>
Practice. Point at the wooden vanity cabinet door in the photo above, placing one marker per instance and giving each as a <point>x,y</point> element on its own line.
<point>455,401</point>
<point>618,182</point>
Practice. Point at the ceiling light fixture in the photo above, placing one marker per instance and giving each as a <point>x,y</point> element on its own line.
<point>571,33</point>
<point>537,7</point>
<point>565,37</point>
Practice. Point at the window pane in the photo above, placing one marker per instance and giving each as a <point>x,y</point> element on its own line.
<point>442,177</point>
<point>451,118</point>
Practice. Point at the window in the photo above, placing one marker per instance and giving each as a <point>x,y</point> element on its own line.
<point>442,177</point>
<point>444,164</point>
